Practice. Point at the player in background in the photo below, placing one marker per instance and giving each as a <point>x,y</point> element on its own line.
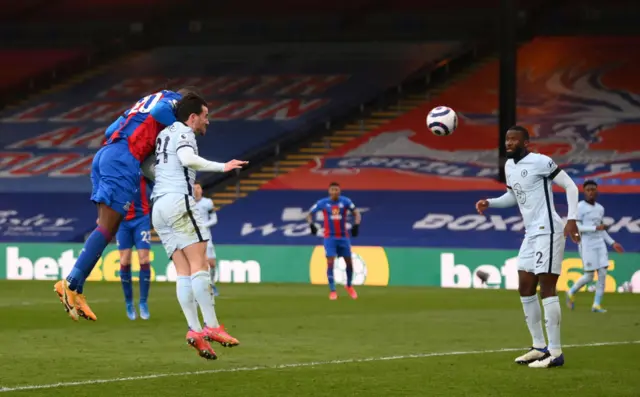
<point>593,251</point>
<point>181,228</point>
<point>529,176</point>
<point>207,210</point>
<point>337,242</point>
<point>135,230</point>
<point>115,179</point>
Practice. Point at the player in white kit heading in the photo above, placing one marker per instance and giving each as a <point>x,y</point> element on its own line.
<point>207,211</point>
<point>180,227</point>
<point>593,250</point>
<point>529,185</point>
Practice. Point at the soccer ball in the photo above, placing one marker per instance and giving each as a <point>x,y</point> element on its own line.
<point>442,121</point>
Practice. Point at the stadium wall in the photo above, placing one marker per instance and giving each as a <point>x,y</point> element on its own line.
<point>374,266</point>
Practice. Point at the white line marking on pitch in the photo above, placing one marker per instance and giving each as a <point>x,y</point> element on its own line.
<point>285,366</point>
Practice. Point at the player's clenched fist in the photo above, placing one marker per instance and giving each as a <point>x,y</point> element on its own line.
<point>481,206</point>
<point>234,164</point>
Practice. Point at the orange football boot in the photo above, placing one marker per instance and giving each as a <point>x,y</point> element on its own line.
<point>198,341</point>
<point>67,298</point>
<point>333,295</point>
<point>220,335</point>
<point>83,308</point>
<point>352,292</point>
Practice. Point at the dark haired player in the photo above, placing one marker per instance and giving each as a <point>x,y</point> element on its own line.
<point>336,236</point>
<point>529,176</point>
<point>115,178</point>
<point>180,226</point>
<point>593,251</point>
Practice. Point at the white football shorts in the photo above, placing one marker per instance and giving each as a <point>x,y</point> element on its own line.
<point>594,255</point>
<point>176,223</point>
<point>542,253</point>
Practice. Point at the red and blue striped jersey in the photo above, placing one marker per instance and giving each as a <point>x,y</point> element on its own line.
<point>141,124</point>
<point>140,205</point>
<point>335,215</point>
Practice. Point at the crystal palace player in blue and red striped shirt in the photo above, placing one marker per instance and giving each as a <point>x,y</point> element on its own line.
<point>115,178</point>
<point>337,243</point>
<point>135,230</point>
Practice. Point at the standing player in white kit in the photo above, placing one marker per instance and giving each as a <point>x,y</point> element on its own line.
<point>207,211</point>
<point>180,228</point>
<point>529,185</point>
<point>593,251</point>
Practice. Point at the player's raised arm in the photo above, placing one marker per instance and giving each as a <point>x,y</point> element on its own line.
<point>506,200</point>
<point>113,127</point>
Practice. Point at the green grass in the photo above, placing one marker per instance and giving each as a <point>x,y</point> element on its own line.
<point>289,324</point>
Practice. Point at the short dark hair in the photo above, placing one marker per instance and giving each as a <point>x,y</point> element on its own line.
<point>522,130</point>
<point>334,184</point>
<point>189,90</point>
<point>188,105</point>
<point>589,182</point>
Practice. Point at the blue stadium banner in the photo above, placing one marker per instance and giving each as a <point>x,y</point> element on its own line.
<point>411,219</point>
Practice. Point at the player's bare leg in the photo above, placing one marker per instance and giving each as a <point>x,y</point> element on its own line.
<point>195,337</point>
<point>145,282</point>
<point>203,293</point>
<point>70,291</point>
<point>212,274</point>
<point>552,319</point>
<point>527,286</point>
<point>333,295</point>
<point>350,290</point>
<point>125,280</point>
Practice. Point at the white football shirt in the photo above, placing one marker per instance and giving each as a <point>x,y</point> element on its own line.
<point>207,211</point>
<point>530,179</point>
<point>171,175</point>
<point>589,217</point>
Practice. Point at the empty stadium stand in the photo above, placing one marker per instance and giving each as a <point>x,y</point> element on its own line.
<point>257,95</point>
<point>419,189</point>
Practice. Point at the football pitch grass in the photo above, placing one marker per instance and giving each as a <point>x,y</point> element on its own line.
<point>295,342</point>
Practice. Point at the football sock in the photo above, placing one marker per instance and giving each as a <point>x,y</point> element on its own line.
<point>212,274</point>
<point>332,282</point>
<point>586,278</point>
<point>125,279</point>
<point>552,319</point>
<point>93,248</point>
<point>349,265</point>
<point>533,318</point>
<point>602,279</point>
<point>187,302</point>
<point>203,292</point>
<point>145,281</point>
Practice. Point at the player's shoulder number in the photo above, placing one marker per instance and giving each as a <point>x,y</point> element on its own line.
<point>147,103</point>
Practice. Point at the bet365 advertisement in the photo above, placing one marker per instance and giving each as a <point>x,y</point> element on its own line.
<point>376,266</point>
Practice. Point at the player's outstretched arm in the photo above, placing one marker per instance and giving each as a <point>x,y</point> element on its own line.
<point>189,158</point>
<point>564,180</point>
<point>506,200</point>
